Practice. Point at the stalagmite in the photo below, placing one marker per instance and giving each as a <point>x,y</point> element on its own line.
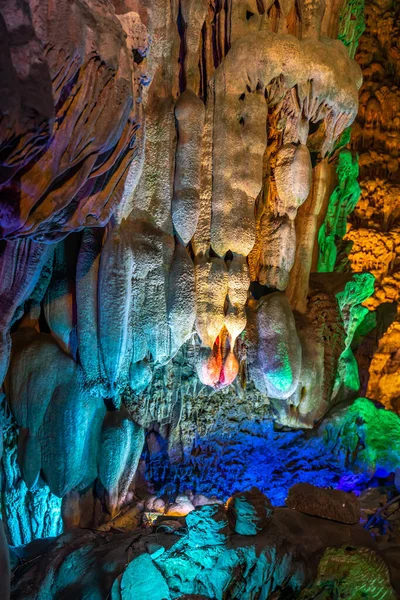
<point>301,409</point>
<point>121,444</point>
<point>278,251</point>
<point>30,390</point>
<point>202,236</point>
<point>238,285</point>
<point>21,263</point>
<point>59,301</point>
<point>275,351</point>
<point>193,13</point>
<point>181,298</point>
<point>209,365</point>
<point>306,234</point>
<point>69,445</point>
<point>152,250</point>
<point>211,290</point>
<point>311,15</point>
<point>293,174</point>
<point>239,130</point>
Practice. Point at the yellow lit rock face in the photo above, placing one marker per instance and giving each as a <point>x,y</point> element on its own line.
<point>384,371</point>
<point>265,94</point>
<point>374,226</point>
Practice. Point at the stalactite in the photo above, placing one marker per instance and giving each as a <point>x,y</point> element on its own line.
<point>174,174</point>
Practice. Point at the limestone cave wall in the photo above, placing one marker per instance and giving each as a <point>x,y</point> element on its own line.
<point>199,264</point>
<point>374,224</point>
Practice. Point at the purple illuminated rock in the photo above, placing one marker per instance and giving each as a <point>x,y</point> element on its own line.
<point>68,117</point>
<point>334,505</point>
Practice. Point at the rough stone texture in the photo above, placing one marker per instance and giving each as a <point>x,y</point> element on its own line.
<point>207,525</point>
<point>64,160</point>
<point>274,352</point>
<point>284,556</point>
<point>351,573</point>
<point>142,579</point>
<point>249,512</point>
<point>328,504</point>
<point>320,331</point>
<point>4,553</point>
<point>374,225</point>
<point>171,174</point>
<point>167,167</point>
<point>4,564</point>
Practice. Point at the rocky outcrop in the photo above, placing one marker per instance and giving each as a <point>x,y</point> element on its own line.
<point>64,161</point>
<point>4,553</point>
<point>344,570</point>
<point>291,551</point>
<point>167,168</point>
<point>374,225</point>
<point>249,512</point>
<point>328,504</point>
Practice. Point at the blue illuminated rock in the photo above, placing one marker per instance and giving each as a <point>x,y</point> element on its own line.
<point>249,512</point>
<point>121,444</point>
<point>140,375</point>
<point>207,525</point>
<point>4,555</point>
<point>143,580</point>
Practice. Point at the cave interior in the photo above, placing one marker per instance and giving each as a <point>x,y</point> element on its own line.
<point>199,299</point>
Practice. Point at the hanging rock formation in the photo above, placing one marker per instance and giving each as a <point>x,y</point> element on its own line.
<point>176,179</point>
<point>190,192</point>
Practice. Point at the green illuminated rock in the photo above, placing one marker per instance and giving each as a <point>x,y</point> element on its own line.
<point>353,314</point>
<point>366,437</point>
<point>351,24</point>
<point>352,573</point>
<point>341,203</point>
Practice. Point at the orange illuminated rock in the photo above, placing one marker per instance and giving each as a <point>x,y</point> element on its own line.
<point>373,227</point>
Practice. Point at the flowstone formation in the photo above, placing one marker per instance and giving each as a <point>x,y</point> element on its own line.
<point>175,326</point>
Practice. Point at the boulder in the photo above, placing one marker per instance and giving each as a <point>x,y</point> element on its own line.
<point>201,500</point>
<point>180,508</point>
<point>249,512</point>
<point>142,579</point>
<point>207,525</point>
<point>334,505</point>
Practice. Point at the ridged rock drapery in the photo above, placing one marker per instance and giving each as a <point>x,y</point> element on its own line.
<point>167,168</point>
